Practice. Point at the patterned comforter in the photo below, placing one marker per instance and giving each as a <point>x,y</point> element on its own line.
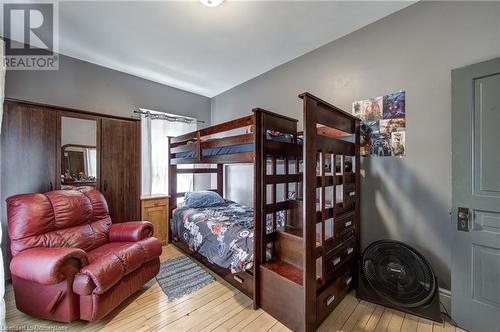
<point>223,234</point>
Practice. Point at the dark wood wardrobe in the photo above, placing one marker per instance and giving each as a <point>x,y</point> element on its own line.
<point>32,155</point>
<point>120,167</point>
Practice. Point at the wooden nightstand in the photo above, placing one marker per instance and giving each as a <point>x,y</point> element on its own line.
<point>155,210</point>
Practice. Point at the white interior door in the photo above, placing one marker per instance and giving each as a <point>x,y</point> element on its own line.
<point>476,196</point>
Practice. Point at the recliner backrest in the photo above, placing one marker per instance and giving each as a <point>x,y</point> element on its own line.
<point>61,218</point>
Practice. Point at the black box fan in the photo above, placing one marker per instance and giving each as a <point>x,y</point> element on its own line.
<point>395,275</point>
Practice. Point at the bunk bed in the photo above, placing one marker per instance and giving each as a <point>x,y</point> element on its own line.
<point>305,214</point>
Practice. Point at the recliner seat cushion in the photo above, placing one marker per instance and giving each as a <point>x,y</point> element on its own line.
<point>111,262</point>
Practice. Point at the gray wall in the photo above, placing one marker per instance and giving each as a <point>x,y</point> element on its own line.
<point>85,86</point>
<point>408,199</point>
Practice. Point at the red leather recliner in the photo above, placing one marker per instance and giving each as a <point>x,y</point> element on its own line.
<point>69,262</point>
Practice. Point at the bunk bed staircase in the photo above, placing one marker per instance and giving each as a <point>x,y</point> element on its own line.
<point>311,267</point>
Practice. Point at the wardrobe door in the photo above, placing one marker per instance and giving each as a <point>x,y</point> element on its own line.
<point>120,168</point>
<point>29,149</point>
<point>29,143</point>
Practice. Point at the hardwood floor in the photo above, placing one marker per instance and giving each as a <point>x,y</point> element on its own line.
<point>221,307</point>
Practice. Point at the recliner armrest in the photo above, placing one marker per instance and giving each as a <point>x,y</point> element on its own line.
<point>45,265</point>
<point>132,231</point>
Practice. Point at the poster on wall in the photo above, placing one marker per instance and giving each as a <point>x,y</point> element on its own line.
<point>383,125</point>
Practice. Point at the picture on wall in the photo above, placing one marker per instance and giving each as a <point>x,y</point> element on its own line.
<point>372,109</point>
<point>357,108</point>
<point>391,125</point>
<point>394,106</point>
<point>383,125</point>
<point>398,143</point>
<point>374,126</point>
<point>380,145</point>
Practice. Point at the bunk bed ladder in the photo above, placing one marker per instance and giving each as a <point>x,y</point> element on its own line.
<point>280,277</point>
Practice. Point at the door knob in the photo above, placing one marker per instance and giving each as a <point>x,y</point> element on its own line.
<point>463,219</point>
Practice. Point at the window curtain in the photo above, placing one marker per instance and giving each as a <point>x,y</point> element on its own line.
<point>2,241</point>
<point>90,161</point>
<point>155,135</point>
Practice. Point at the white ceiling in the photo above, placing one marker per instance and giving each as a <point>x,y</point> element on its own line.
<point>206,50</point>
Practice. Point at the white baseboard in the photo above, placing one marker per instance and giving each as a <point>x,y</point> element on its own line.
<point>445,298</point>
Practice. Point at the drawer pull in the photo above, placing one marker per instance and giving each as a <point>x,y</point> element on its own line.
<point>238,279</point>
<point>336,261</point>
<point>348,281</point>
<point>352,193</point>
<point>330,300</point>
<point>347,224</point>
<point>350,250</point>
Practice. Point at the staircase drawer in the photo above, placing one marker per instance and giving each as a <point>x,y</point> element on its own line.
<point>329,298</point>
<point>344,224</point>
<point>336,260</point>
<point>347,280</point>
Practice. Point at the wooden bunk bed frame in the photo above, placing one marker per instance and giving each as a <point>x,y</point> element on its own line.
<point>262,121</point>
<point>299,273</point>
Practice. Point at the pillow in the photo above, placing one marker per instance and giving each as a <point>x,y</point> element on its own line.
<point>199,199</point>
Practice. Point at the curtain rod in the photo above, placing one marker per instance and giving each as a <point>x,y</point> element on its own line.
<point>143,113</point>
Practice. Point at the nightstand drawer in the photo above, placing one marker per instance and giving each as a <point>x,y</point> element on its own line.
<point>154,202</point>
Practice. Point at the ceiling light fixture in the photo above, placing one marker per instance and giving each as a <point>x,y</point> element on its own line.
<point>212,3</point>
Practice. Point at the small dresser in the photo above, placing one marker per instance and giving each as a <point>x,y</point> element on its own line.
<point>154,209</point>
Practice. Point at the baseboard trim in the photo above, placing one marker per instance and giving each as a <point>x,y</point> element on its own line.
<point>445,298</point>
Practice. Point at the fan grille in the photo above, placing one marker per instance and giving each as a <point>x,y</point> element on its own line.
<point>398,273</point>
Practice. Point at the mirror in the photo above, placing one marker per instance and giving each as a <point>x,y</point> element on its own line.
<point>78,152</point>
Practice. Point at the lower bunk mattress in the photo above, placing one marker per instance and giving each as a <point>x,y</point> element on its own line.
<point>223,234</point>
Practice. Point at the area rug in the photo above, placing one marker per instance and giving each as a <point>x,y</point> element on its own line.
<point>181,276</point>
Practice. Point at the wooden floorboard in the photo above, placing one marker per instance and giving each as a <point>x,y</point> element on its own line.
<point>221,307</point>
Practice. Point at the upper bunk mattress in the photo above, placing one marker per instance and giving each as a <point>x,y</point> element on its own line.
<point>236,148</point>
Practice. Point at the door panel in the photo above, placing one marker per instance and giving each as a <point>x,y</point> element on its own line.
<point>29,144</point>
<point>29,151</point>
<point>487,135</point>
<point>476,187</point>
<point>120,172</point>
<point>485,275</point>
<point>487,221</point>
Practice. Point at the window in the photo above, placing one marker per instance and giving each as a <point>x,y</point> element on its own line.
<point>155,133</point>
<point>90,158</point>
